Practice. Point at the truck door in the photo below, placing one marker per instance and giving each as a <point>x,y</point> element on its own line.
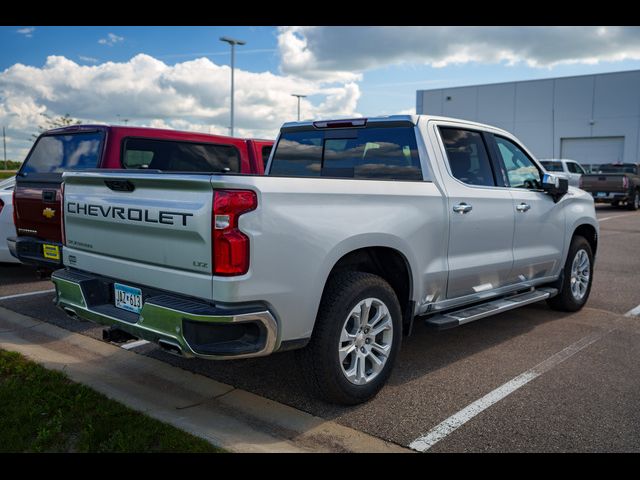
<point>539,234</point>
<point>481,216</point>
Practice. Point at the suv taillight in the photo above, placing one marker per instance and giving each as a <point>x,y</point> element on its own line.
<point>230,251</point>
<point>625,182</point>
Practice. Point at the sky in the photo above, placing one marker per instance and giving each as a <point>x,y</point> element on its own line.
<point>179,77</point>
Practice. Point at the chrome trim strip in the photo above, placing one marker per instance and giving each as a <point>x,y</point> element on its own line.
<point>477,297</point>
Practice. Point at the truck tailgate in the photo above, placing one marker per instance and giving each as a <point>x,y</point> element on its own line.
<point>38,208</point>
<point>152,219</point>
<point>603,182</point>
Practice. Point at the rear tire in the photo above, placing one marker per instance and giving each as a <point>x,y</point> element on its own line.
<point>355,339</point>
<point>634,203</point>
<point>574,291</point>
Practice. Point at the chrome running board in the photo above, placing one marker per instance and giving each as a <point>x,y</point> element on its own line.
<point>456,318</point>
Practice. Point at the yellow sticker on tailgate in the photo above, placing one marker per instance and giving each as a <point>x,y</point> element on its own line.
<point>51,251</point>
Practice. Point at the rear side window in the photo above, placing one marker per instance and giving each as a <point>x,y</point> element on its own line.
<point>266,151</point>
<point>467,155</point>
<point>57,153</point>
<point>368,153</point>
<point>175,156</point>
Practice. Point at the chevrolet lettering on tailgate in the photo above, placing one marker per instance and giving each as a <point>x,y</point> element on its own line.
<point>127,213</point>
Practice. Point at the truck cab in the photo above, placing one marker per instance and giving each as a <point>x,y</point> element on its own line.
<point>568,168</point>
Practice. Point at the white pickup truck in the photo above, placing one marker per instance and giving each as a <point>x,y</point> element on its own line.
<point>359,228</point>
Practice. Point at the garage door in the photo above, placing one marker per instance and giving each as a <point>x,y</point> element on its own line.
<point>593,150</point>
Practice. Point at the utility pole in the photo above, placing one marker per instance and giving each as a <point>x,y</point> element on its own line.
<point>233,42</point>
<point>299,97</point>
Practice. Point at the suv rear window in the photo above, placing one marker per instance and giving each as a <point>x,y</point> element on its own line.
<point>56,153</point>
<point>176,156</point>
<point>370,153</point>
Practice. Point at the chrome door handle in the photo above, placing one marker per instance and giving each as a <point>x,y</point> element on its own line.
<point>462,208</point>
<point>523,207</point>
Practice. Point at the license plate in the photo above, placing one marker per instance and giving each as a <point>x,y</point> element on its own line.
<point>601,194</point>
<point>51,252</point>
<point>128,298</point>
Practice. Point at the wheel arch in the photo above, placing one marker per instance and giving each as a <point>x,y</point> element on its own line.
<point>590,233</point>
<point>387,262</point>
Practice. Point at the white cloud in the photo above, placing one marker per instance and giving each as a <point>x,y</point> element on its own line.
<point>111,39</point>
<point>192,95</point>
<point>342,53</point>
<point>88,59</point>
<point>27,31</point>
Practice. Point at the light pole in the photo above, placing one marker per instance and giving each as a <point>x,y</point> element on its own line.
<point>4,141</point>
<point>233,42</point>
<point>299,97</point>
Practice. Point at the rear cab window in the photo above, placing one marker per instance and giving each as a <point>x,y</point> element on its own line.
<point>552,166</point>
<point>179,156</point>
<point>59,152</point>
<point>373,153</point>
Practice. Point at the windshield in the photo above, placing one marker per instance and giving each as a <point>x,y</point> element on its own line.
<point>57,153</point>
<point>623,168</point>
<point>552,166</point>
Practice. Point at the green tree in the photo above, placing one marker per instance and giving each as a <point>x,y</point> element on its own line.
<point>55,122</point>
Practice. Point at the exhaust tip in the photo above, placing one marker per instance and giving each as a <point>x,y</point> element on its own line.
<point>170,347</point>
<point>70,312</point>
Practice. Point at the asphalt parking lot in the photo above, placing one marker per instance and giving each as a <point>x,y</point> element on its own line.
<point>581,389</point>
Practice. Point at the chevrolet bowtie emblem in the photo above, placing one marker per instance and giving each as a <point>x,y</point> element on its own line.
<point>48,212</point>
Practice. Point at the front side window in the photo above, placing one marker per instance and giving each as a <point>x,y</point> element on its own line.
<point>521,171</point>
<point>467,156</point>
<point>375,153</point>
<point>574,167</point>
<point>176,156</point>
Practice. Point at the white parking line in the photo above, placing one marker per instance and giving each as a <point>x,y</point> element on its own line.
<point>614,216</point>
<point>137,343</point>
<point>18,295</point>
<point>634,312</point>
<point>455,421</point>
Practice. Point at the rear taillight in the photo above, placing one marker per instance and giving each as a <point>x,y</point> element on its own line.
<point>62,214</point>
<point>15,208</point>
<point>230,246</point>
<point>625,182</point>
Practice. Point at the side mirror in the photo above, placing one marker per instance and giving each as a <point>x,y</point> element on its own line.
<point>555,185</point>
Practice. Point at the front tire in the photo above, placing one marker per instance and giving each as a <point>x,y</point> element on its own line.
<point>578,277</point>
<point>355,340</point>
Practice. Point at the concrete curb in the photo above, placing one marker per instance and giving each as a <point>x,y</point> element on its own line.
<point>233,419</point>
